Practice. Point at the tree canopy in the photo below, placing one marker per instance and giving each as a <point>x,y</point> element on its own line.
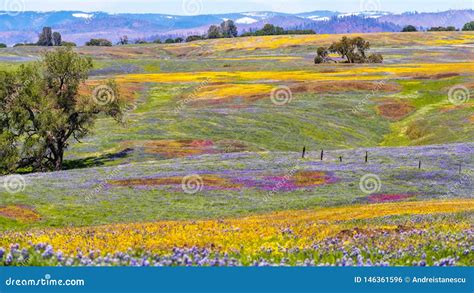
<point>41,110</point>
<point>409,28</point>
<point>351,50</point>
<point>468,26</point>
<point>99,42</point>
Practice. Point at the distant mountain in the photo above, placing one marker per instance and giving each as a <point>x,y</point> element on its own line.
<point>456,18</point>
<point>79,27</point>
<point>351,24</point>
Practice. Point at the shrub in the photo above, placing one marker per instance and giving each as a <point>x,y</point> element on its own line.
<point>409,28</point>
<point>352,50</point>
<point>375,58</point>
<point>468,26</point>
<point>193,38</point>
<point>99,42</point>
<point>68,44</point>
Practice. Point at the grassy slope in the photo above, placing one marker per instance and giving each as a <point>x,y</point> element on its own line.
<point>317,120</point>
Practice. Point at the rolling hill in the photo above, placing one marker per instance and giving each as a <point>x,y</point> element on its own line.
<point>80,26</point>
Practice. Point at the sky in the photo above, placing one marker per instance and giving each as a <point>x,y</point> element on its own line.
<point>193,7</point>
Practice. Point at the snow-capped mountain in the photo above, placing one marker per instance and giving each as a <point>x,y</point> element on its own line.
<point>79,26</point>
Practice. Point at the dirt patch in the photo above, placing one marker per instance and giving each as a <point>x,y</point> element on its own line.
<point>394,110</point>
<point>186,147</point>
<point>207,181</point>
<point>127,91</point>
<point>20,213</point>
<point>448,108</point>
<point>434,76</point>
<point>344,86</point>
<point>383,197</point>
<point>350,233</point>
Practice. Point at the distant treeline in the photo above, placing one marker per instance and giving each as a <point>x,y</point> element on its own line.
<point>47,38</point>
<point>271,30</point>
<point>228,29</point>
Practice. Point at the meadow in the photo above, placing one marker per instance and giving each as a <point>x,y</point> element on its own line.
<point>207,169</point>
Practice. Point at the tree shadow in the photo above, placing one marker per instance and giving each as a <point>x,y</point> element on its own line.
<point>96,161</point>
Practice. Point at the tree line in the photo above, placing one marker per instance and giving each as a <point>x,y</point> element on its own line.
<point>227,29</point>
<point>467,27</point>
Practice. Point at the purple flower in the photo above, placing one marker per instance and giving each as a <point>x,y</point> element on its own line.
<point>48,252</point>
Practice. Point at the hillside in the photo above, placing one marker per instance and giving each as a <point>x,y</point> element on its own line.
<point>208,168</point>
<point>79,26</point>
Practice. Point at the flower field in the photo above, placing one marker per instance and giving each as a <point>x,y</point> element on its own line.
<point>208,168</point>
<point>380,234</point>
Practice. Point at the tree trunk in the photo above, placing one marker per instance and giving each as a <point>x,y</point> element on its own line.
<point>58,158</point>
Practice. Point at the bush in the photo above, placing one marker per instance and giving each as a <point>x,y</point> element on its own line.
<point>2,45</point>
<point>99,42</point>
<point>193,38</point>
<point>468,26</point>
<point>375,58</point>
<point>157,41</point>
<point>68,44</point>
<point>351,50</point>
<point>409,28</point>
<point>169,41</point>
<point>318,60</point>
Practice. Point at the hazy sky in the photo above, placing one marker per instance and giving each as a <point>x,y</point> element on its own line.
<point>183,7</point>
